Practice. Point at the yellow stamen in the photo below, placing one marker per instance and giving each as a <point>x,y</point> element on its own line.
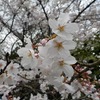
<point>53,36</point>
<point>29,54</point>
<point>61,28</point>
<point>58,45</point>
<point>61,63</point>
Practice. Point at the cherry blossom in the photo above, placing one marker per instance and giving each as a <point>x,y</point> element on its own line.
<point>60,46</point>
<point>52,62</point>
<point>64,65</point>
<point>28,56</point>
<point>62,28</point>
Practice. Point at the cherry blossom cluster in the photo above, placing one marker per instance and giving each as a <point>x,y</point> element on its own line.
<point>55,54</point>
<point>51,59</point>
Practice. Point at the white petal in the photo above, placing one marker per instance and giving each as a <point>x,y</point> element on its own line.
<point>23,52</point>
<point>25,61</point>
<point>71,27</point>
<point>64,35</point>
<point>64,53</point>
<point>52,52</point>
<point>70,60</point>
<point>68,70</point>
<point>53,24</point>
<point>63,18</point>
<point>68,44</point>
<point>42,51</point>
<point>20,51</point>
<point>69,88</point>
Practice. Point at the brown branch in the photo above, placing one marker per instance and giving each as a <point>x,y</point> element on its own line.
<point>7,63</point>
<point>79,14</point>
<point>92,64</point>
<point>11,30</point>
<point>10,27</point>
<point>47,18</point>
<point>43,9</point>
<point>68,6</point>
<point>4,38</point>
<point>13,45</point>
<point>24,77</point>
<point>3,70</point>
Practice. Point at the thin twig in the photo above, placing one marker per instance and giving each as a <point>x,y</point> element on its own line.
<point>13,45</point>
<point>47,18</point>
<point>43,10</point>
<point>17,34</point>
<point>83,10</point>
<point>10,30</point>
<point>68,6</point>
<point>7,63</point>
<point>24,77</point>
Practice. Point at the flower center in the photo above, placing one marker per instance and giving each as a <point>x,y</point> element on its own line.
<point>29,54</point>
<point>61,63</point>
<point>61,28</point>
<point>53,36</point>
<point>58,45</point>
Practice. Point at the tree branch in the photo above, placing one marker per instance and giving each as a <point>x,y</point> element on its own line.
<point>83,11</point>
<point>49,30</point>
<point>11,30</point>
<point>43,10</point>
<point>68,6</point>
<point>8,62</point>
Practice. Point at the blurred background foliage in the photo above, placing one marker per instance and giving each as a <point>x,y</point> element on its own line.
<point>88,51</point>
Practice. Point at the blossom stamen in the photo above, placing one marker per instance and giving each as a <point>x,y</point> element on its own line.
<point>58,45</point>
<point>61,28</point>
<point>61,63</point>
<point>29,54</point>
